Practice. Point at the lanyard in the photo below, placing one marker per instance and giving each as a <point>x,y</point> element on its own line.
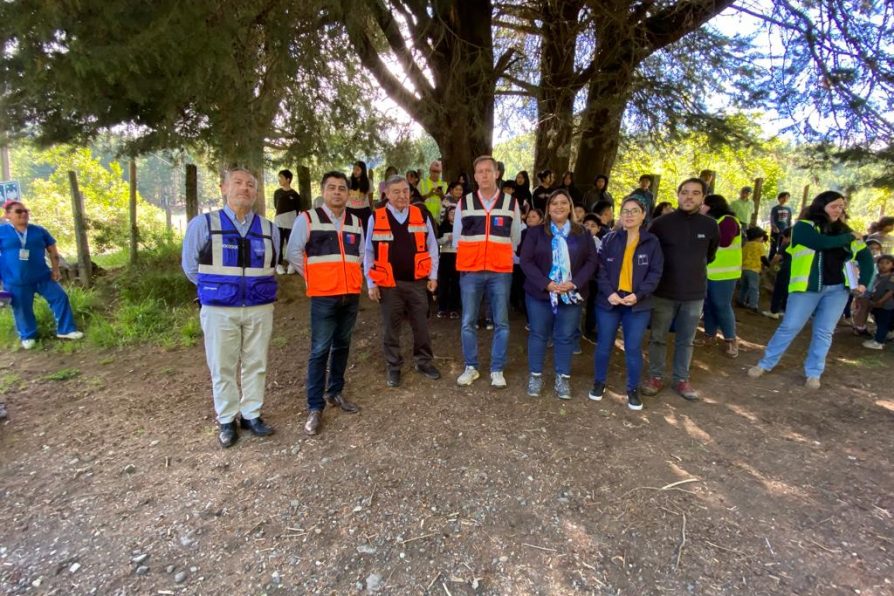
<point>23,236</point>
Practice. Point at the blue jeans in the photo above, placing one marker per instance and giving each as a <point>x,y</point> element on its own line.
<point>496,286</point>
<point>826,307</point>
<point>563,327</point>
<point>23,307</point>
<point>719,309</point>
<point>750,289</point>
<point>332,321</point>
<point>684,315</point>
<point>634,325</point>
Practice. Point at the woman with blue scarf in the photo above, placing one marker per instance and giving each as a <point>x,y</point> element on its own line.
<point>559,259</point>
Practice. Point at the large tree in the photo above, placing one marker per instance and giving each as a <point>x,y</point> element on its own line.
<point>435,59</point>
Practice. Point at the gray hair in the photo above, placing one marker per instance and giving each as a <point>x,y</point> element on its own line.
<point>396,179</point>
<point>231,171</point>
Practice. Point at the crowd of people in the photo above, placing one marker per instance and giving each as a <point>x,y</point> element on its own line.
<point>473,249</point>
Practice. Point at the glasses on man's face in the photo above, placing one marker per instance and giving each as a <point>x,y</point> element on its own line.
<point>630,211</point>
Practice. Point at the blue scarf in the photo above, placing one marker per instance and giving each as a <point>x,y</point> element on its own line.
<point>560,271</point>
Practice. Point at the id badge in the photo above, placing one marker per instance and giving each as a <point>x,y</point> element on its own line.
<point>24,254</point>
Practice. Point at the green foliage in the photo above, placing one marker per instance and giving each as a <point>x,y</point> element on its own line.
<point>149,303</point>
<point>46,189</point>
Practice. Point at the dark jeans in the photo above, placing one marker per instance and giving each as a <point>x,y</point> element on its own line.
<point>409,299</point>
<point>332,321</point>
<point>634,325</point>
<point>591,318</point>
<point>448,284</point>
<point>561,327</point>
<point>284,234</point>
<point>684,316</point>
<point>780,290</point>
<point>883,320</point>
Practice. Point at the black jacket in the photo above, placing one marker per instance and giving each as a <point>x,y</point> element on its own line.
<point>689,242</point>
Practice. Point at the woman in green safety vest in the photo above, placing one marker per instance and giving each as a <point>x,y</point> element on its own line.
<point>723,273</point>
<point>825,256</point>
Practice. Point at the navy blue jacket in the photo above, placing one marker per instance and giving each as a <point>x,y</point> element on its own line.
<point>648,263</point>
<point>537,259</point>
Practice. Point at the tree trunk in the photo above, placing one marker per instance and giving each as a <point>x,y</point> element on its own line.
<point>134,231</point>
<point>601,124</point>
<point>192,192</point>
<point>555,95</point>
<point>85,266</point>
<point>305,188</point>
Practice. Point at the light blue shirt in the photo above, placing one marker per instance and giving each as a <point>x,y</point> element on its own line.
<point>514,231</point>
<point>197,236</point>
<point>300,233</point>
<point>369,255</point>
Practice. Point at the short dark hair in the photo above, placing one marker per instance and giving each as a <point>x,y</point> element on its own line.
<point>698,181</point>
<point>601,206</point>
<point>334,174</point>
<point>889,258</point>
<point>285,174</point>
<point>645,177</point>
<point>507,184</point>
<point>784,193</point>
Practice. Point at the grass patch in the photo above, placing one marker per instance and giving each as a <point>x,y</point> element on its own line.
<point>10,382</point>
<point>151,302</point>
<point>62,375</point>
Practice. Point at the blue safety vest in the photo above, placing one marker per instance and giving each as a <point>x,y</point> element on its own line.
<point>236,270</point>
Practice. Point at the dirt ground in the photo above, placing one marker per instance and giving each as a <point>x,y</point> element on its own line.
<point>112,481</point>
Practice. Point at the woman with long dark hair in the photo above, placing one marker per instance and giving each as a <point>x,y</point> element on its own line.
<point>574,192</point>
<point>558,259</point>
<point>358,198</point>
<point>823,250</point>
<point>541,194</point>
<point>523,189</point>
<point>723,273</point>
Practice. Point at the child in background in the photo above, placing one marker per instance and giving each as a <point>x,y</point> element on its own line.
<point>783,259</point>
<point>862,305</point>
<point>448,278</point>
<point>591,223</point>
<point>882,300</point>
<point>749,284</point>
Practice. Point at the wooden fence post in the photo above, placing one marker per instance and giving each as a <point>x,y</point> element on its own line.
<point>192,191</point>
<point>756,197</point>
<point>134,231</point>
<point>85,267</point>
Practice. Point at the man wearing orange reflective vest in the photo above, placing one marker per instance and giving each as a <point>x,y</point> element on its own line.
<point>486,232</point>
<point>325,248</point>
<point>401,264</point>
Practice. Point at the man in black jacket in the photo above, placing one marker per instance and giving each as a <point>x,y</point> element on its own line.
<point>689,242</point>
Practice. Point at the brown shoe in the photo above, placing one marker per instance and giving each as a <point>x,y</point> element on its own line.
<point>732,348</point>
<point>685,390</point>
<point>340,402</point>
<point>312,426</point>
<point>652,386</point>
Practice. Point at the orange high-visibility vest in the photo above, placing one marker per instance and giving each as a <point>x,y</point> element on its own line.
<point>382,270</point>
<point>486,240</point>
<point>332,258</point>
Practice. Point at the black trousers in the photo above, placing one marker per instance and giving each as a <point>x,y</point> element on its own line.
<point>408,299</point>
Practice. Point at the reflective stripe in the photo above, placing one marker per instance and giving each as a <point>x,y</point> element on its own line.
<point>332,259</point>
<point>417,229</point>
<point>726,269</point>
<point>383,237</point>
<point>485,238</point>
<point>800,279</point>
<point>237,271</point>
<point>802,252</point>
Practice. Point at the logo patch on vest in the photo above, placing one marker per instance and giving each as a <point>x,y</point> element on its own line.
<point>700,236</point>
<point>498,220</point>
<point>350,238</point>
<point>642,260</point>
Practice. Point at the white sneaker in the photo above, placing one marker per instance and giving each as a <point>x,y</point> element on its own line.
<point>772,315</point>
<point>290,269</point>
<point>280,270</point>
<point>497,379</point>
<point>72,335</point>
<point>812,383</point>
<point>873,345</point>
<point>755,372</point>
<point>29,344</point>
<point>468,377</point>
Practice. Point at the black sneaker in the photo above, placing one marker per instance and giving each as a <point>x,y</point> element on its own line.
<point>633,400</point>
<point>597,391</point>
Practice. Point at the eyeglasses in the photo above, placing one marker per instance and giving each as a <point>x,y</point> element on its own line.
<point>19,211</point>
<point>630,211</point>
